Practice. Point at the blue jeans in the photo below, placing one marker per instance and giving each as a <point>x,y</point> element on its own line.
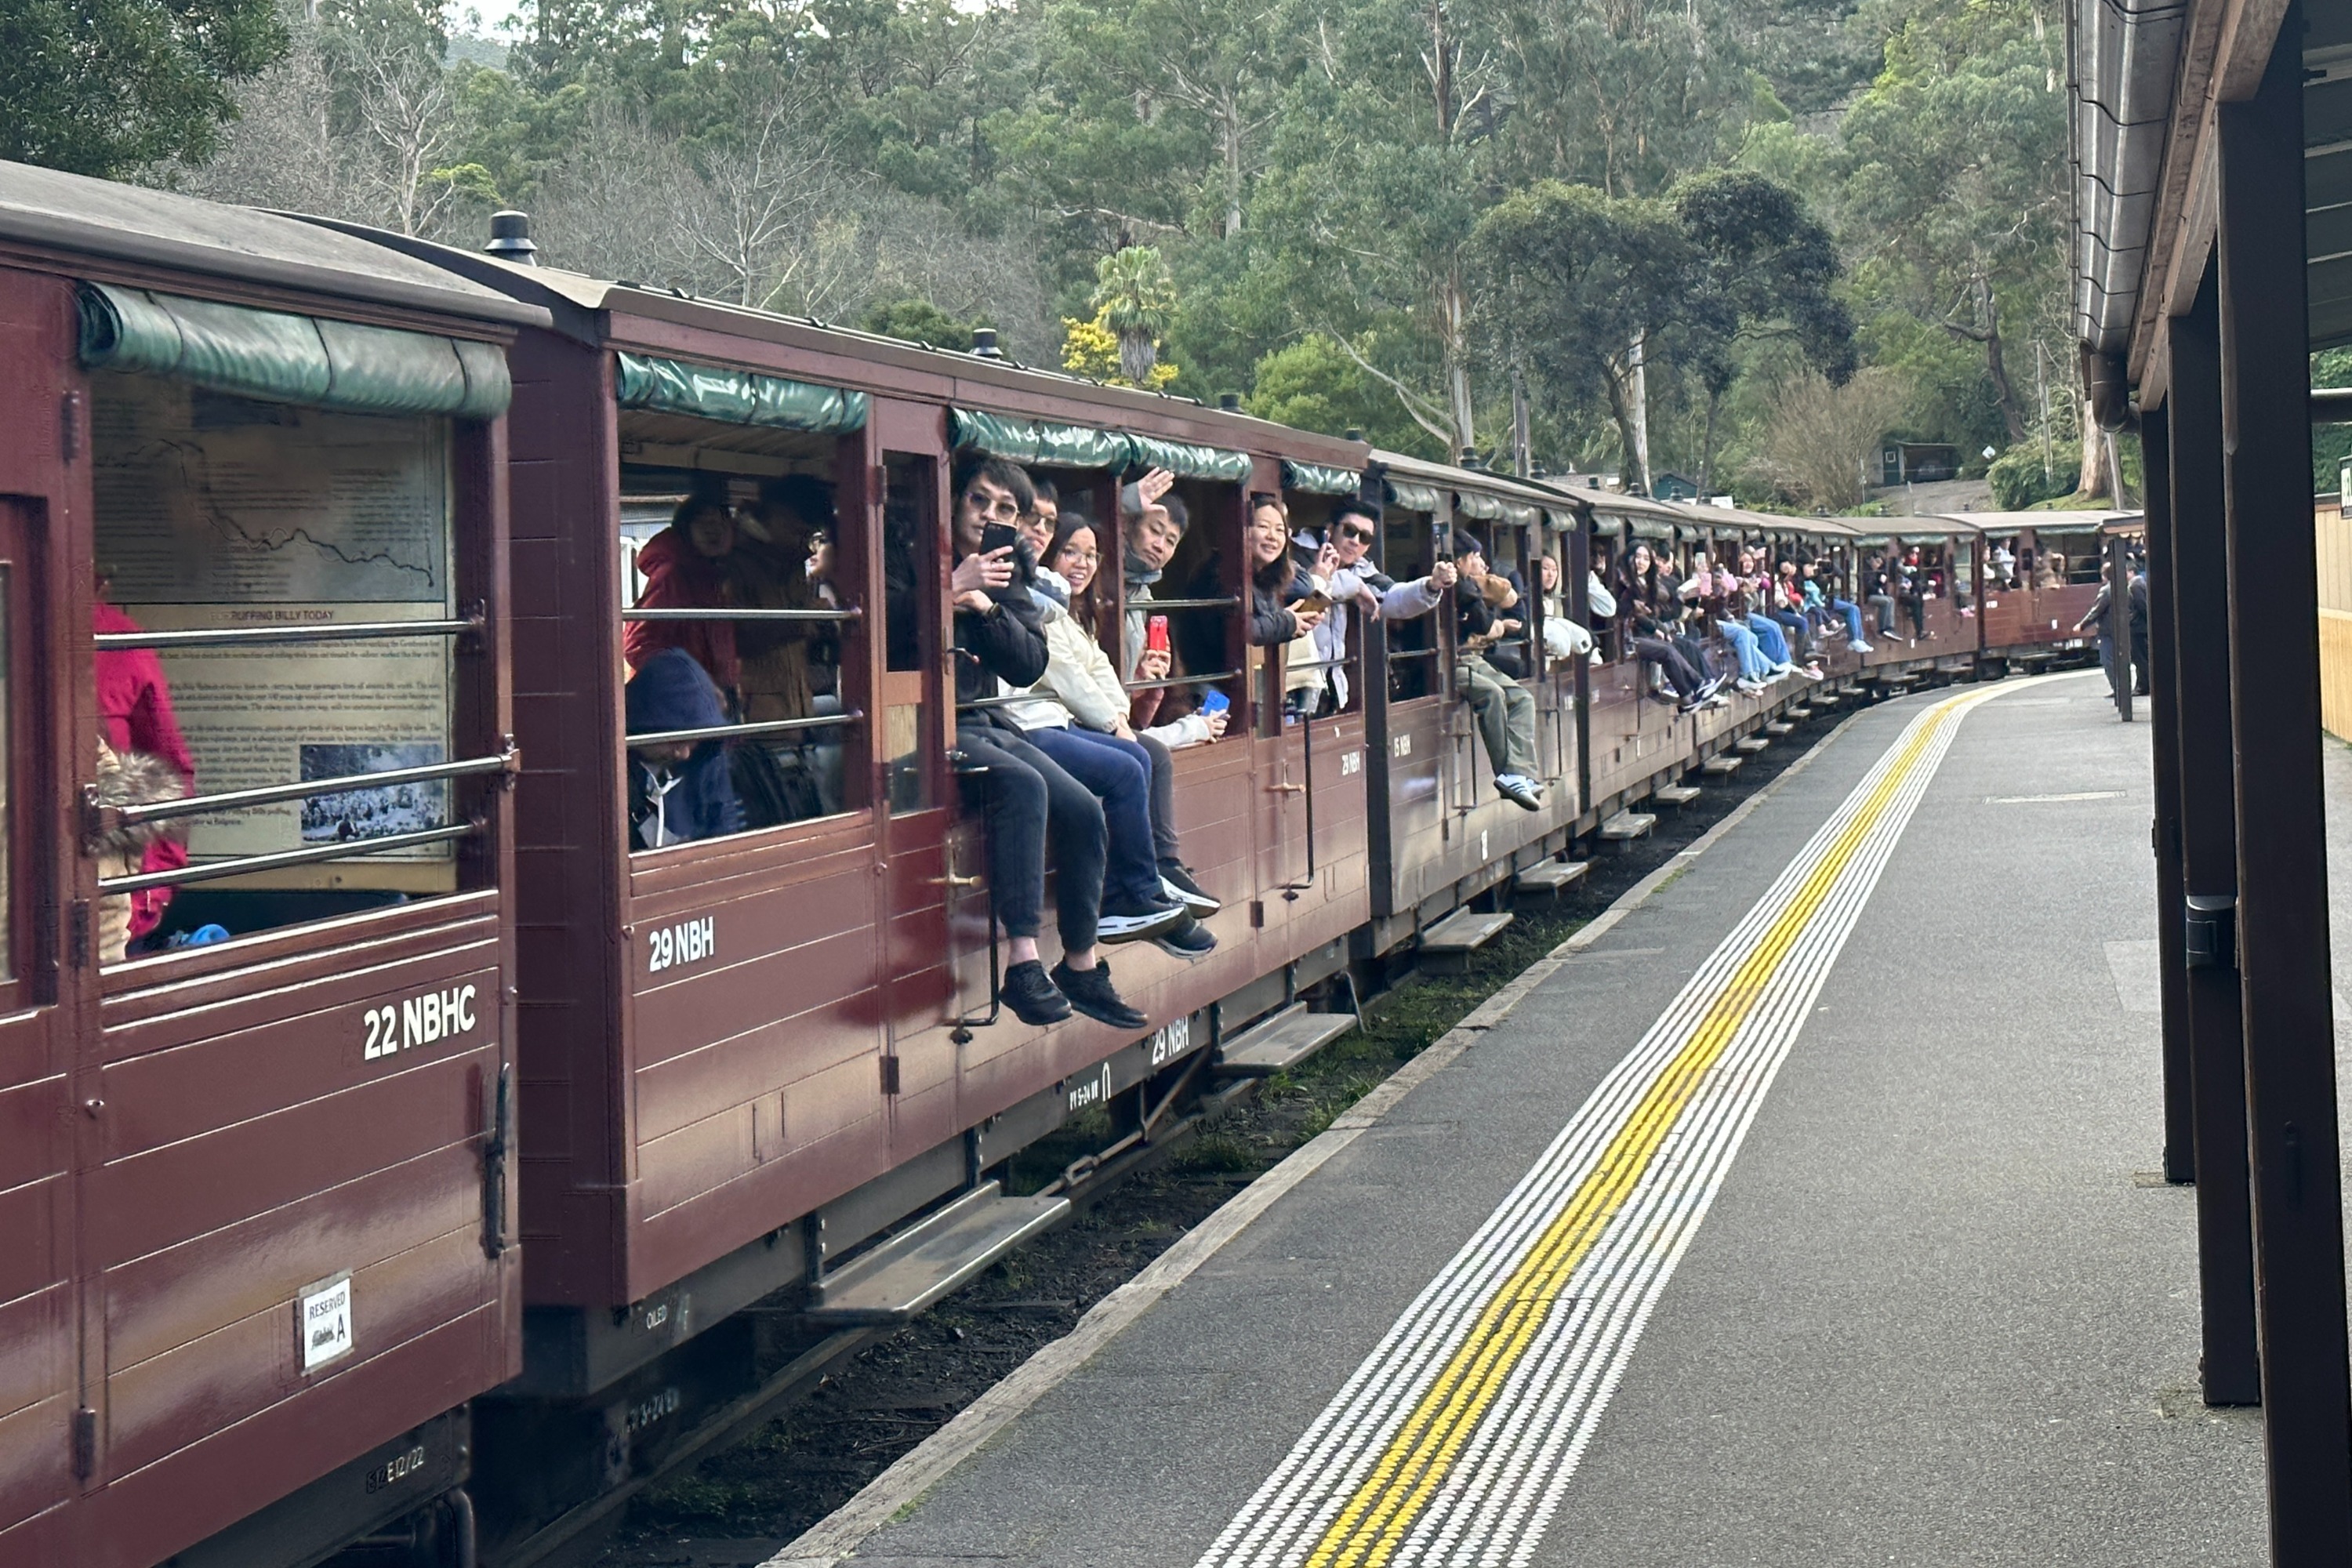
<point>1852,615</point>
<point>1117,773</point>
<point>1769,638</point>
<point>1752,666</point>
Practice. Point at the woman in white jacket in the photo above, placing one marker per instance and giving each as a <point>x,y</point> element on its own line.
<point>1081,692</point>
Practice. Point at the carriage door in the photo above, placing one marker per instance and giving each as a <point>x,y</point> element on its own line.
<point>38,1372</point>
<point>936,945</point>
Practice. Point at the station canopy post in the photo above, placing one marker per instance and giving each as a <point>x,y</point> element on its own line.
<point>2283,948</point>
<point>2164,833</point>
<point>2209,855</point>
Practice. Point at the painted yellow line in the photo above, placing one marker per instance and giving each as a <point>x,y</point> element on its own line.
<point>1373,1523</point>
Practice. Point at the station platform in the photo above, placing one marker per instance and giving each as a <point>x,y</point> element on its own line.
<point>1804,1210</point>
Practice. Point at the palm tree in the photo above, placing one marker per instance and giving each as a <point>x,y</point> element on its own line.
<point>1136,298</point>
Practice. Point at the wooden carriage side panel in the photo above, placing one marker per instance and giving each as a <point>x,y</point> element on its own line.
<point>40,1301</point>
<point>562,436</point>
<point>757,1030</point>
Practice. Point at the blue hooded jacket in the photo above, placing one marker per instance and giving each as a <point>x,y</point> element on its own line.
<point>697,800</point>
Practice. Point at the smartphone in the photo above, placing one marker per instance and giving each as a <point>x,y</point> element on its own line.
<point>998,536</point>
<point>1317,600</point>
<point>1155,633</point>
<point>1214,702</point>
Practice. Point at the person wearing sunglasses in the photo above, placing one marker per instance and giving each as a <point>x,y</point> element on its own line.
<point>1355,580</point>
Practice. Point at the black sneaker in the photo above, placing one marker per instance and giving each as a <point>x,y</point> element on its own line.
<point>1191,939</point>
<point>1091,994</point>
<point>1030,995</point>
<point>1126,924</point>
<point>1176,881</point>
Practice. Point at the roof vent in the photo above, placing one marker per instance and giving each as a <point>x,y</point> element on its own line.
<point>1353,433</point>
<point>510,238</point>
<point>1229,402</point>
<point>983,344</point>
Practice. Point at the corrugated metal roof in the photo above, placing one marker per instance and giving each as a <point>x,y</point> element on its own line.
<point>131,224</point>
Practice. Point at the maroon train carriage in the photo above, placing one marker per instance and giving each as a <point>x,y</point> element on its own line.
<point>1448,836</point>
<point>254,1189</point>
<point>2042,575</point>
<point>791,1048</point>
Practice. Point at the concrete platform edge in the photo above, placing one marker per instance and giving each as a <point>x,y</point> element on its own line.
<point>898,1489</point>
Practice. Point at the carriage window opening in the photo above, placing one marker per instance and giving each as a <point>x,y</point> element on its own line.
<point>1409,549</point>
<point>911,529</point>
<point>732,622</point>
<point>269,527</point>
<point>1184,597</point>
<point>1320,665</point>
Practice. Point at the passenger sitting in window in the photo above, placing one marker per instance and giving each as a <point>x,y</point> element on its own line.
<point>1504,710</point>
<point>134,713</point>
<point>1354,580</point>
<point>1646,601</point>
<point>1565,639</point>
<point>1077,562</point>
<point>1038,524</point>
<point>685,569</point>
<point>1029,800</point>
<point>1153,523</point>
<point>680,791</point>
<point>1078,716</point>
<point>768,568</point>
<point>1284,603</point>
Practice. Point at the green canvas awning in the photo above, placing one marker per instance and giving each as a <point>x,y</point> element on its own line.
<point>277,357</point>
<point>1473,503</point>
<point>1644,525</point>
<point>1187,461</point>
<point>1561,521</point>
<point>1314,479</point>
<point>735,396</point>
<point>1412,497</point>
<point>1521,514</point>
<point>1035,441</point>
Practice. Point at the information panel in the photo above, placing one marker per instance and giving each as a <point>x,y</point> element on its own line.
<point>217,511</point>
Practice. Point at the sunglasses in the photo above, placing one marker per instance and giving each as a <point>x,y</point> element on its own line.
<point>1361,535</point>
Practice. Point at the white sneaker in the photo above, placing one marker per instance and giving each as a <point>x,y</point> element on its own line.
<point>1860,647</point>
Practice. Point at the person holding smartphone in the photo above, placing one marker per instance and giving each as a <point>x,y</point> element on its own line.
<point>1504,710</point>
<point>1030,802</point>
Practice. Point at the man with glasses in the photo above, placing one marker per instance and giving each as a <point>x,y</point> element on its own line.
<point>1355,579</point>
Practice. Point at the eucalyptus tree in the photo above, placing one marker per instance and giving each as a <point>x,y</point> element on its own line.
<point>108,86</point>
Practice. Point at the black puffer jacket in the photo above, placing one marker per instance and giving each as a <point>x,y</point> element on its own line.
<point>1007,642</point>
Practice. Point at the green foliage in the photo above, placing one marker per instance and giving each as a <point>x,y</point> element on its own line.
<point>918,321</point>
<point>1314,385</point>
<point>106,87</point>
<point>1135,300</point>
<point>2018,479</point>
<point>2330,444</point>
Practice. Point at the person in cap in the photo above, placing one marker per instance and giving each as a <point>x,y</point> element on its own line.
<point>1504,710</point>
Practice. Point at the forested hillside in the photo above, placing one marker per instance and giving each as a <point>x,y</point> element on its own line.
<point>1736,244</point>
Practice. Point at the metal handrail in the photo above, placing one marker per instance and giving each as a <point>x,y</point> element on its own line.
<point>347,850</point>
<point>267,795</point>
<point>849,612</point>
<point>246,637</point>
<point>1149,605</point>
<point>725,731</point>
<point>1397,653</point>
<point>1167,681</point>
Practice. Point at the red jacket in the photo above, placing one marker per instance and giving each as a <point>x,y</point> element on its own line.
<point>679,577</point>
<point>134,703</point>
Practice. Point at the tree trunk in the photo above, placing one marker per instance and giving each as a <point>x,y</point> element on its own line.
<point>2012,414</point>
<point>1137,354</point>
<point>1706,444</point>
<point>1230,112</point>
<point>2093,479</point>
<point>1454,327</point>
<point>1522,443</point>
<point>1629,474</point>
<point>1640,412</point>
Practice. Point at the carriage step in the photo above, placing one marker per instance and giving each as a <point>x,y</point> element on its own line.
<point>1749,745</point>
<point>1722,766</point>
<point>1550,876</point>
<point>1798,714</point>
<point>1626,827</point>
<point>1462,932</point>
<point>1827,699</point>
<point>928,1260</point>
<point>1780,727</point>
<point>1675,794</point>
<point>1283,1041</point>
